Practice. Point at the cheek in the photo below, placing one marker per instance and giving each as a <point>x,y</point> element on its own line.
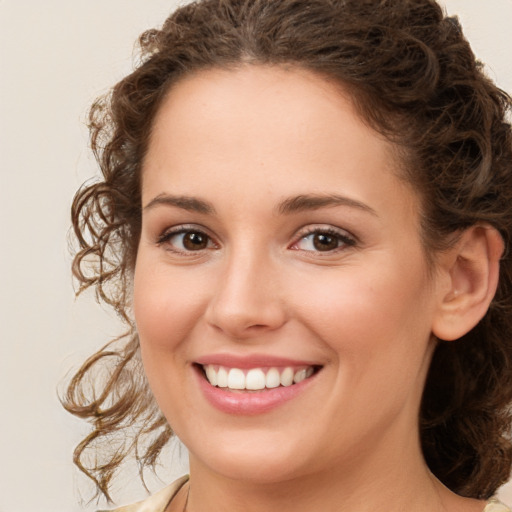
<point>166,316</point>
<point>368,314</point>
<point>166,306</point>
<point>377,326</point>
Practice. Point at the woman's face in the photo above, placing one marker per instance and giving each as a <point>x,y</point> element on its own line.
<point>279,244</point>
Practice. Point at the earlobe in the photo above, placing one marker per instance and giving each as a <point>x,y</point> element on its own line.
<point>469,273</point>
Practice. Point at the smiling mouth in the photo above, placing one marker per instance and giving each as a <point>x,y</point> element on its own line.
<point>256,379</point>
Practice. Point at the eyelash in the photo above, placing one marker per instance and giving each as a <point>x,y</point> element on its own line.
<point>343,239</point>
<point>166,237</point>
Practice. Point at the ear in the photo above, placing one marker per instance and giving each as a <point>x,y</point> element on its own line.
<point>467,279</point>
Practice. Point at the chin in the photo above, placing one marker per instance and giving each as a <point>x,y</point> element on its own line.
<point>252,459</point>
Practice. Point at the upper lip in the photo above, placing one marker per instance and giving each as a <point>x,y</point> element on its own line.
<point>251,361</point>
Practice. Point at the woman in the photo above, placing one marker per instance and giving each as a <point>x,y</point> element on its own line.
<point>304,219</point>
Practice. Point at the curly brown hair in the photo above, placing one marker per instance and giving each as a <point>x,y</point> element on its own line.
<point>415,80</point>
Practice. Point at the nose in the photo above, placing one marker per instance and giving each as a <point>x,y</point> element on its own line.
<point>247,301</point>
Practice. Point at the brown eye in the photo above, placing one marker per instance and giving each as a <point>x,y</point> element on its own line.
<point>325,242</point>
<point>193,241</point>
<point>186,240</point>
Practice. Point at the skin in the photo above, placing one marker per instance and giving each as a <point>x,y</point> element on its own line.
<point>245,141</point>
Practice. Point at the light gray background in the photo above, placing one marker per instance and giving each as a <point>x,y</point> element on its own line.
<point>56,56</point>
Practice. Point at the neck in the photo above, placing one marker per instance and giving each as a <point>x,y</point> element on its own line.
<point>371,479</point>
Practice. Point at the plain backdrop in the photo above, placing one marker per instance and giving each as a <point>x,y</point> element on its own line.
<point>56,56</point>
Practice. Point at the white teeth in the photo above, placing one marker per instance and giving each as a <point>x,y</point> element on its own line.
<point>273,379</point>
<point>287,377</point>
<point>302,374</point>
<point>222,378</point>
<point>299,376</point>
<point>256,378</point>
<point>236,379</point>
<point>211,375</point>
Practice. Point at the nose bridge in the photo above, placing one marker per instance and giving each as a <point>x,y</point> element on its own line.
<point>247,299</point>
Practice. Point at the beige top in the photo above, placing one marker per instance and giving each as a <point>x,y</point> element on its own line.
<point>159,501</point>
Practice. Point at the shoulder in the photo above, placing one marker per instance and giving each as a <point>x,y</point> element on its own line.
<point>496,506</point>
<point>157,502</point>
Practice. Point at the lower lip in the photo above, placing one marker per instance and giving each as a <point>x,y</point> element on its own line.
<point>253,403</point>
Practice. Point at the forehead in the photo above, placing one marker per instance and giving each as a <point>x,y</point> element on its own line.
<point>252,97</point>
<point>287,127</point>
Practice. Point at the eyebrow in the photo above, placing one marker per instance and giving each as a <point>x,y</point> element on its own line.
<point>295,204</point>
<point>307,202</point>
<point>191,204</point>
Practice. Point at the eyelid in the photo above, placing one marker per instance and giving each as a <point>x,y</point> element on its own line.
<point>168,233</point>
<point>347,238</point>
